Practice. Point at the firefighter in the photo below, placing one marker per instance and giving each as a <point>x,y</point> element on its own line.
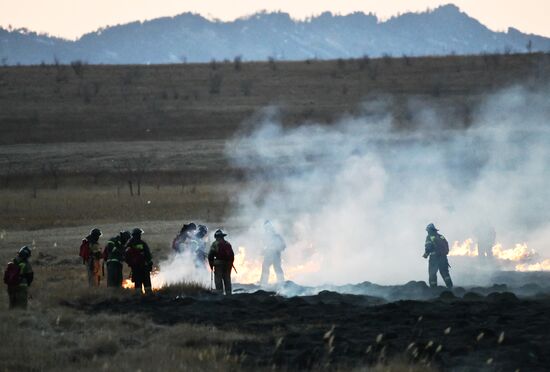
<point>200,255</point>
<point>18,277</point>
<point>113,256</point>
<point>139,258</point>
<point>274,245</point>
<point>180,241</point>
<point>90,251</point>
<point>437,249</point>
<point>221,258</point>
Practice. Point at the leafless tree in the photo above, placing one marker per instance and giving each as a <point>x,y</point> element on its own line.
<point>134,170</point>
<point>78,68</point>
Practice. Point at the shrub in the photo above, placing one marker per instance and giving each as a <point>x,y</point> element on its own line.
<point>78,68</point>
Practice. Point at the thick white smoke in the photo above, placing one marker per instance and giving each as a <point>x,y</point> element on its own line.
<point>180,268</point>
<point>356,196</point>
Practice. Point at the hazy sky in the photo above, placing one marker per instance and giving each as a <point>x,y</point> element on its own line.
<point>72,18</point>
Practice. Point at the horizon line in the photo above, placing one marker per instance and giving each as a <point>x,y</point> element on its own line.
<point>211,18</point>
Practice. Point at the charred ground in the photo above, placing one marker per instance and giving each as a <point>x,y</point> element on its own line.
<point>473,332</point>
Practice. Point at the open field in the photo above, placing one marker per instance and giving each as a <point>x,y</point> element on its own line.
<point>123,146</point>
<point>79,135</point>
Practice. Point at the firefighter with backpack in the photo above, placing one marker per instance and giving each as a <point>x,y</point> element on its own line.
<point>437,249</point>
<point>113,257</point>
<point>18,276</point>
<point>139,258</point>
<point>91,254</point>
<point>221,258</point>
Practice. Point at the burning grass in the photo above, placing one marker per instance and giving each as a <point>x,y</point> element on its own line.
<point>520,256</point>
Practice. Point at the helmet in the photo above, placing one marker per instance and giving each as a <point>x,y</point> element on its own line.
<point>188,227</point>
<point>137,231</point>
<point>431,227</point>
<point>24,252</point>
<point>219,234</point>
<point>96,232</point>
<point>124,235</point>
<point>202,231</point>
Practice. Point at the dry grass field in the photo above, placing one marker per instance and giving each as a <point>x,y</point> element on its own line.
<point>75,135</point>
<point>71,139</point>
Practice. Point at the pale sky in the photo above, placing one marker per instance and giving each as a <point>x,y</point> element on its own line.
<point>72,18</point>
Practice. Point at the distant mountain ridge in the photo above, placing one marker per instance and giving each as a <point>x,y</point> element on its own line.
<point>192,38</point>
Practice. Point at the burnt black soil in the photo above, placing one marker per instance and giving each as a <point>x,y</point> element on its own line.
<point>474,332</point>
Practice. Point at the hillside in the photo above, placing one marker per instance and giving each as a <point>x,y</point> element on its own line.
<point>192,38</point>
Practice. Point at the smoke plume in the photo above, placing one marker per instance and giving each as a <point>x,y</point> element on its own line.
<point>352,198</point>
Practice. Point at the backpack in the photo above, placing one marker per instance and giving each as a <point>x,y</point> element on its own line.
<point>225,252</point>
<point>441,245</point>
<point>85,250</point>
<point>134,256</point>
<point>12,274</point>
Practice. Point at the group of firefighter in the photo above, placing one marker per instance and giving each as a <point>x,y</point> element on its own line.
<point>129,247</point>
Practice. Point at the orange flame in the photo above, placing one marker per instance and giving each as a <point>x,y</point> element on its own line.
<point>539,266</point>
<point>466,248</point>
<point>250,270</point>
<point>157,282</point>
<point>519,253</point>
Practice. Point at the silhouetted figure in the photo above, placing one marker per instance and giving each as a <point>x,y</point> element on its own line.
<point>274,245</point>
<point>437,249</point>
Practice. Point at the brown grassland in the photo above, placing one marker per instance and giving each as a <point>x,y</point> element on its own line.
<point>74,138</point>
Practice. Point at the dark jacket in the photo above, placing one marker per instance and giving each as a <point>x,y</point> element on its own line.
<point>114,250</point>
<point>25,271</point>
<point>221,252</point>
<point>434,244</point>
<point>138,254</point>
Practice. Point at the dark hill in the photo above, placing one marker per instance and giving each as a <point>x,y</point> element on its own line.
<point>190,37</point>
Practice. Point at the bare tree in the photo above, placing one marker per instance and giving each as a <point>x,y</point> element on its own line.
<point>78,68</point>
<point>529,46</point>
<point>134,171</point>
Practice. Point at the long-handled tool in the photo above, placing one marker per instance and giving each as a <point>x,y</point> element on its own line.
<point>211,280</point>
